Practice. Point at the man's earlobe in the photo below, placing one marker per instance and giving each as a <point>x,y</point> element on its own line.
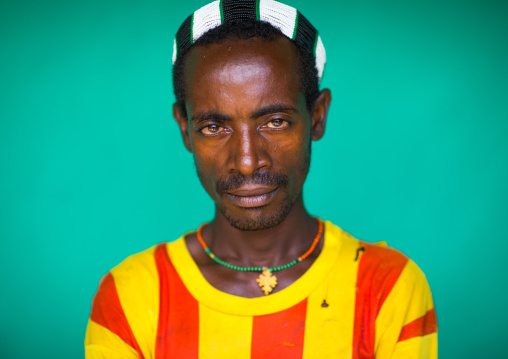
<point>320,113</point>
<point>183,125</point>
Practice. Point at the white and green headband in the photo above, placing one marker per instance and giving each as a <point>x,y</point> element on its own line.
<point>285,18</point>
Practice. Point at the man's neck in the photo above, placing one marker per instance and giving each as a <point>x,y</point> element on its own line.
<point>268,247</point>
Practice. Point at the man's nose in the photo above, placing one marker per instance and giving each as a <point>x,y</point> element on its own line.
<point>248,152</point>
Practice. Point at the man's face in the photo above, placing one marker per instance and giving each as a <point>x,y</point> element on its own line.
<point>248,128</point>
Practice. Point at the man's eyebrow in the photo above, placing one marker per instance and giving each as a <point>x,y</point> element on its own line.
<point>273,109</point>
<point>210,115</point>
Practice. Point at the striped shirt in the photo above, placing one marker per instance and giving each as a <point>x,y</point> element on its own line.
<point>357,300</point>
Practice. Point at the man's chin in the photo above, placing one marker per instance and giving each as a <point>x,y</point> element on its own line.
<point>252,221</point>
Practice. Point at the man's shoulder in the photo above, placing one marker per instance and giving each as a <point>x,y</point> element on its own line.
<point>388,265</point>
<point>381,253</point>
<point>136,260</point>
<point>378,251</point>
<point>137,269</point>
<point>376,258</point>
<point>146,262</point>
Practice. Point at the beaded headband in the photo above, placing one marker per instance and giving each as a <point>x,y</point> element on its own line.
<point>285,18</point>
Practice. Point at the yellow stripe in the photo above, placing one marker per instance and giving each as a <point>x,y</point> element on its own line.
<point>409,299</point>
<point>204,292</point>
<point>137,284</point>
<point>329,331</point>
<point>415,348</point>
<point>223,335</point>
<point>105,344</point>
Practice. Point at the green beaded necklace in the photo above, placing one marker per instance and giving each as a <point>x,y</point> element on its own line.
<point>266,280</point>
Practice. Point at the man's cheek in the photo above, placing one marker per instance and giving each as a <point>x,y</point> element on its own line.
<point>207,176</point>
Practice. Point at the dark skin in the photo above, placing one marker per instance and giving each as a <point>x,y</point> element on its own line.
<point>247,115</point>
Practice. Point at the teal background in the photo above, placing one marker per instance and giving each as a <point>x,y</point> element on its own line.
<point>92,168</point>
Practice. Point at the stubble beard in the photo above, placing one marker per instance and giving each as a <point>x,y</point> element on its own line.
<point>259,222</point>
<point>262,221</point>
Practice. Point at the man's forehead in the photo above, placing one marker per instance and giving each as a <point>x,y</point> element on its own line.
<point>262,72</point>
<point>250,55</point>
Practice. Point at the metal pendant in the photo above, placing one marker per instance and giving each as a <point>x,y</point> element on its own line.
<point>267,281</point>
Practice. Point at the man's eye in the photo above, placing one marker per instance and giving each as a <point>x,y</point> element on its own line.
<point>277,123</point>
<point>211,129</point>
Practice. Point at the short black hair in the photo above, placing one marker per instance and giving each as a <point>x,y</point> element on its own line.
<point>245,30</point>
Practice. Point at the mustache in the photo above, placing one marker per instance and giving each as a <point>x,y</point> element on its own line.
<point>238,180</point>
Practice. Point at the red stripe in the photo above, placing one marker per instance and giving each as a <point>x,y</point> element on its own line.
<point>178,328</point>
<point>378,271</point>
<point>426,324</point>
<point>279,335</point>
<point>108,312</point>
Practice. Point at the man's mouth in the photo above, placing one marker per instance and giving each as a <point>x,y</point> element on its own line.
<point>252,197</point>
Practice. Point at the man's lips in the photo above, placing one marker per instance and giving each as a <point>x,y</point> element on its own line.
<point>252,197</point>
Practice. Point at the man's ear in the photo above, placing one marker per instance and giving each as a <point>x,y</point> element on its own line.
<point>183,124</point>
<point>319,114</point>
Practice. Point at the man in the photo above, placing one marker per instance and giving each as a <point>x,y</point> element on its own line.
<point>264,279</point>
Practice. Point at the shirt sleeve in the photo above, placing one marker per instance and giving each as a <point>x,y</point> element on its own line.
<point>406,326</point>
<point>101,343</point>
<point>125,310</point>
<point>108,334</point>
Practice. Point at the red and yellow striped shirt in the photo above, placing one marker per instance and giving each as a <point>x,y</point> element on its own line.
<point>357,301</point>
